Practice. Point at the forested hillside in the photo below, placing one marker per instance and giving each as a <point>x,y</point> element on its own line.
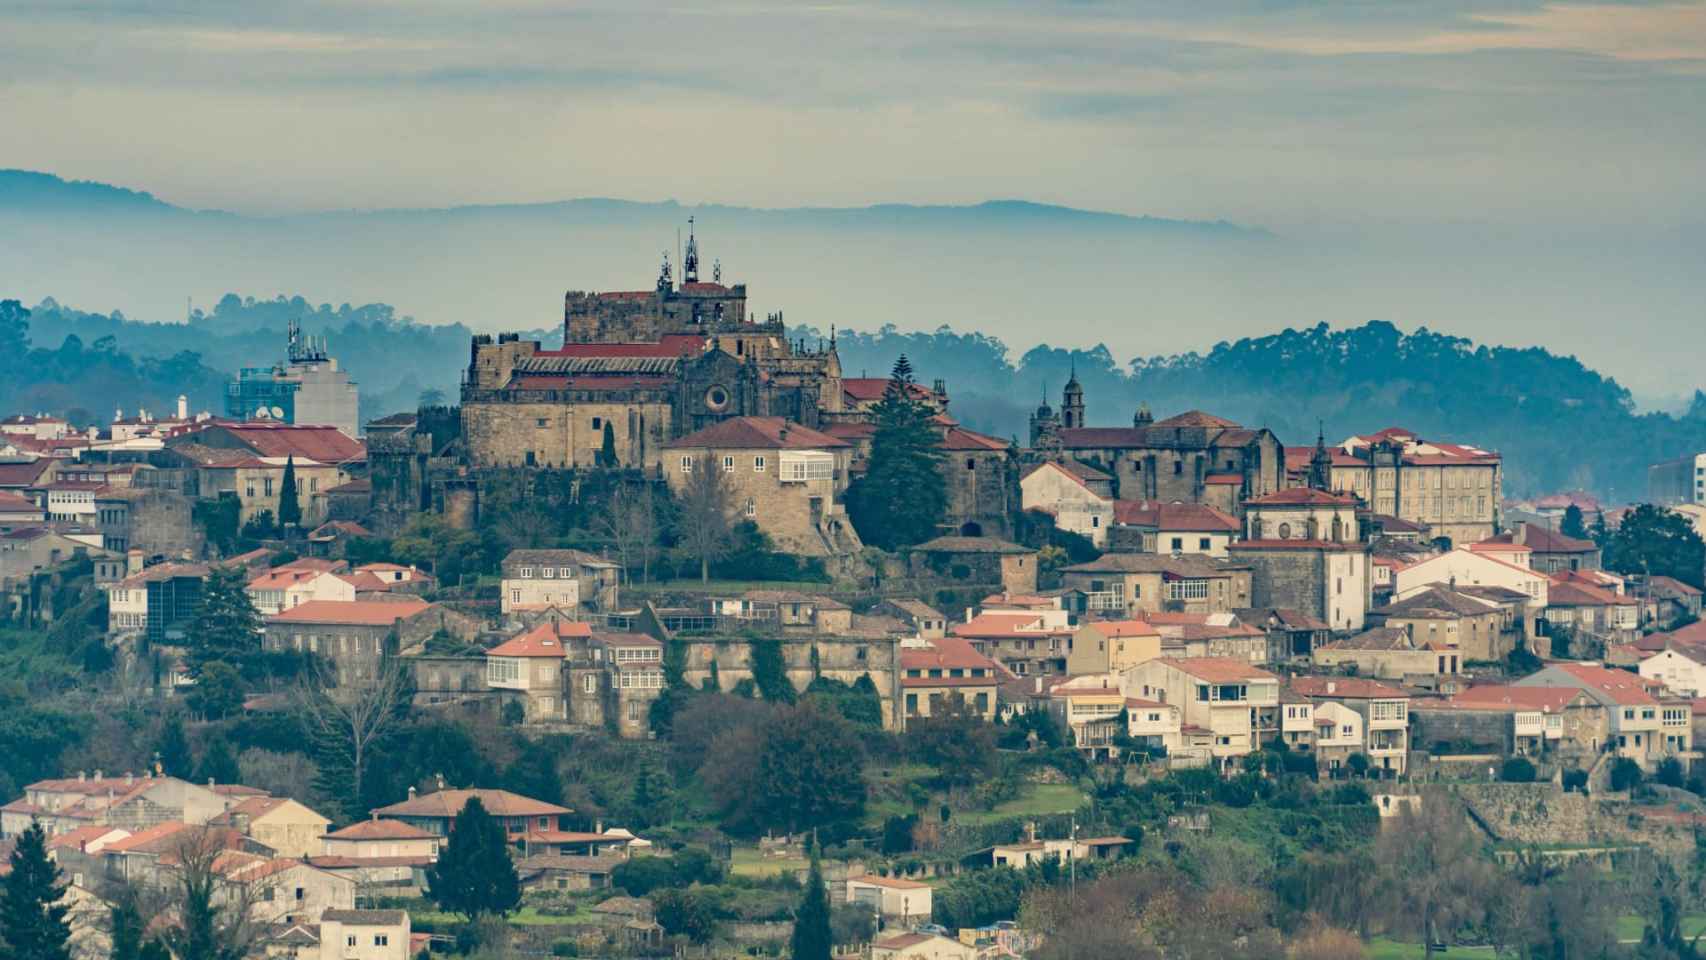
<point>1558,423</point>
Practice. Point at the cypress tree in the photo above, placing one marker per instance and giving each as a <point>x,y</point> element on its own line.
<point>33,922</point>
<point>226,626</point>
<point>174,749</point>
<point>607,452</point>
<point>901,498</point>
<point>474,876</point>
<point>811,939</point>
<point>289,507</point>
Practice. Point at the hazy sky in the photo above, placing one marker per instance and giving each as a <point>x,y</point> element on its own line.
<point>1274,112</point>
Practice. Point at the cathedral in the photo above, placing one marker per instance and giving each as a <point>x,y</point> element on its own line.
<point>648,366</point>
<point>1194,457</point>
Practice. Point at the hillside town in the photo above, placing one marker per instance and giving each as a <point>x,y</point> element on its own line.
<point>677,640</point>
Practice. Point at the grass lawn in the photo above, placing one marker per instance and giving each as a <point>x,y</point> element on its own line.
<point>1629,927</point>
<point>1035,800</point>
<point>527,916</point>
<point>748,862</point>
<point>1381,948</point>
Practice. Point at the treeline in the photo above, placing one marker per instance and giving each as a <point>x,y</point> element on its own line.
<point>1558,423</point>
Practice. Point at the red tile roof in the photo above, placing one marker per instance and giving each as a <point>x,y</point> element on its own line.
<point>545,640</point>
<point>1195,418</point>
<point>1569,593</point>
<point>448,803</point>
<point>1495,696</point>
<point>1123,628</point>
<point>668,347</point>
<point>1621,686</point>
<point>1303,496</point>
<point>1224,479</point>
<point>1174,517</point>
<point>758,433</point>
<point>367,613</point>
<point>303,441</point>
<point>871,389</point>
<point>998,624</point>
<point>949,653</point>
<point>1350,688</point>
<point>1217,669</point>
<point>377,829</point>
<point>17,503</point>
<point>959,438</point>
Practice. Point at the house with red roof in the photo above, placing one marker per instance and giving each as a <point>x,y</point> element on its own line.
<point>1112,646</point>
<point>357,635</point>
<point>435,812</point>
<point>786,479</point>
<point>1466,567</point>
<point>1383,721</point>
<point>1078,497</point>
<point>1235,703</point>
<point>531,665</point>
<point>17,510</point>
<point>1024,642</point>
<point>1591,610</point>
<point>948,669</point>
<point>1151,526</point>
<point>1513,720</point>
<point>282,588</point>
<point>1644,722</point>
<point>1544,548</point>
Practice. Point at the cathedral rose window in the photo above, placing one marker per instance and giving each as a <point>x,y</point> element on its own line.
<point>717,398</point>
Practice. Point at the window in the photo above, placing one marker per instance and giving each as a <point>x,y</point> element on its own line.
<point>687,464</point>
<point>350,940</point>
<point>547,572</point>
<point>268,483</point>
<point>1187,589</point>
<point>515,596</point>
<point>971,464</point>
<point>757,464</point>
<point>1178,543</point>
<point>1203,544</point>
<point>589,683</point>
<point>728,464</point>
<point>542,423</point>
<point>751,508</point>
<point>1178,467</point>
<point>301,894</point>
<point>381,940</point>
<point>598,423</point>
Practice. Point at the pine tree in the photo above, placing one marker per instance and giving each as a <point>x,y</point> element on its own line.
<point>218,762</point>
<point>289,507</point>
<point>1574,524</point>
<point>33,922</point>
<point>226,626</point>
<point>474,876</point>
<point>128,930</point>
<point>174,748</point>
<point>607,452</point>
<point>811,940</point>
<point>901,498</point>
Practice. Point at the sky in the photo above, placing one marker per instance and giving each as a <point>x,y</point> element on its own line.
<point>1566,138</point>
<point>1275,112</point>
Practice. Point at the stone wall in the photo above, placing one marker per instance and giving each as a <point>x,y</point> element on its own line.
<point>845,659</point>
<point>557,433</point>
<point>1292,579</point>
<point>1544,815</point>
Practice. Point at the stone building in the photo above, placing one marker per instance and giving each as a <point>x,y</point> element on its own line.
<point>1194,457</point>
<point>357,636</point>
<point>155,521</point>
<point>1453,489</point>
<point>1135,584</point>
<point>645,367</point>
<point>572,581</point>
<point>978,560</point>
<point>786,479</point>
<point>1306,550</point>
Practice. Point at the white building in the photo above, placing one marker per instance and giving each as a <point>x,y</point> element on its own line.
<point>1682,669</point>
<point>1471,568</point>
<point>1219,695</point>
<point>283,588</point>
<point>896,899</point>
<point>1075,495</point>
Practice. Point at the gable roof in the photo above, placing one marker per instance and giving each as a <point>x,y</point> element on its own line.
<point>1495,696</point>
<point>1349,688</point>
<point>948,653</point>
<point>363,613</point>
<point>322,444</point>
<point>1303,496</point>
<point>1217,669</point>
<point>758,433</point>
<point>545,640</point>
<point>1436,602</point>
<point>1620,686</point>
<point>1175,516</point>
<point>953,544</point>
<point>1123,628</point>
<point>1185,565</point>
<point>377,829</point>
<point>449,803</point>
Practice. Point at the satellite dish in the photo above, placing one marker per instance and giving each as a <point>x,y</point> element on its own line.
<point>278,413</point>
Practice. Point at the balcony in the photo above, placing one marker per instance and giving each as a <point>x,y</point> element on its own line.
<point>1105,600</point>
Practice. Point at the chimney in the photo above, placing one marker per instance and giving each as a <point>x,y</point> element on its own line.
<point>598,826</point>
<point>129,778</point>
<point>98,774</point>
<point>1030,831</point>
<point>82,776</point>
<point>1332,686</point>
<point>210,783</point>
<point>411,793</point>
<point>440,778</point>
<point>1519,534</point>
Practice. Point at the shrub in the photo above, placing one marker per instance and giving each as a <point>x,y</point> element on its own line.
<point>1670,773</point>
<point>1576,780</point>
<point>1625,774</point>
<point>1517,770</point>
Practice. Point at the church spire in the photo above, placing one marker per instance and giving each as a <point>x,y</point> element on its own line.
<point>1321,462</point>
<point>690,260</point>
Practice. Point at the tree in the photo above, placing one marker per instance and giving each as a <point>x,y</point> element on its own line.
<point>1653,540</point>
<point>218,693</point>
<point>220,521</point>
<point>345,724</point>
<point>1600,533</point>
<point>954,740</point>
<point>214,912</point>
<point>129,929</point>
<point>289,504</point>
<point>218,762</point>
<point>474,876</point>
<point>1358,763</point>
<point>226,626</point>
<point>685,913</point>
<point>1625,774</point>
<point>1433,871</point>
<point>704,510</point>
<point>1574,524</point>
<point>1517,770</point>
<point>901,498</point>
<point>811,939</point>
<point>33,923</point>
<point>629,522</point>
<point>174,748</point>
<point>607,451</point>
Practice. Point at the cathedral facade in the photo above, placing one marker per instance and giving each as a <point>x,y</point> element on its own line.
<point>646,366</point>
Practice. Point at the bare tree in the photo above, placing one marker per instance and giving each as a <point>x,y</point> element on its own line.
<point>213,901</point>
<point>630,524</point>
<point>346,722</point>
<point>1435,874</point>
<point>705,509</point>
